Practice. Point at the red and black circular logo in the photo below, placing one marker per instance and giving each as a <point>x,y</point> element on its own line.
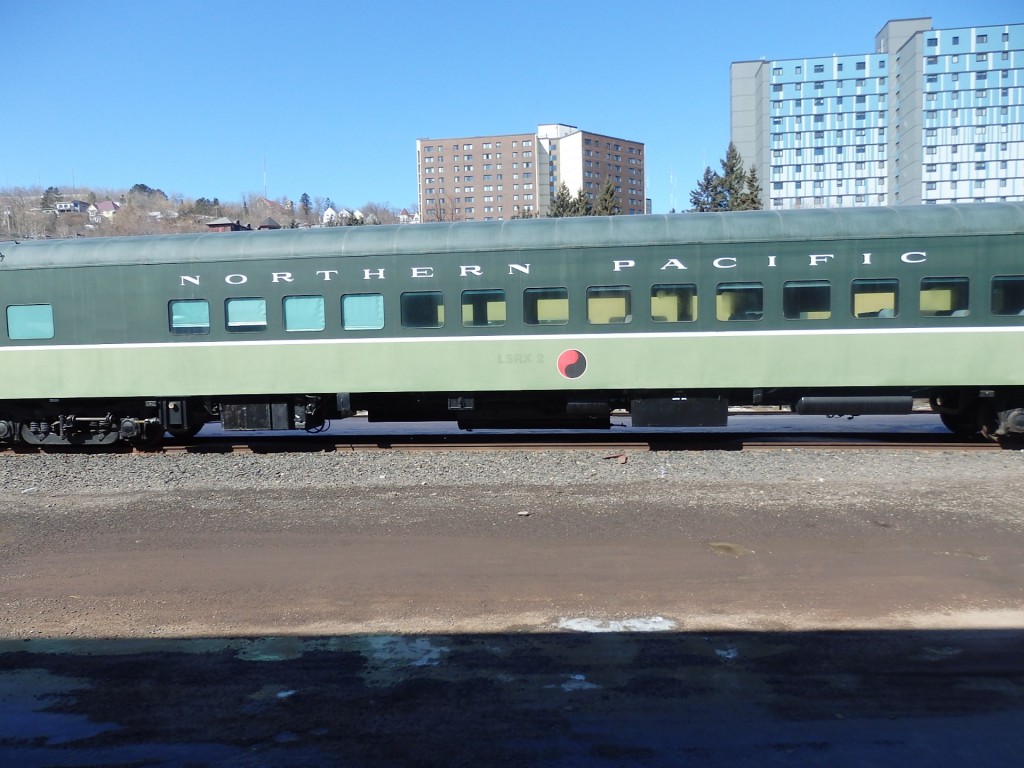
<point>572,363</point>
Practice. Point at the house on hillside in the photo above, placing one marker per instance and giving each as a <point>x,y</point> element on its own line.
<point>71,206</point>
<point>272,204</point>
<point>224,224</point>
<point>105,209</point>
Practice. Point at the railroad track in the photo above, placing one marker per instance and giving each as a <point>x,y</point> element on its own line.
<point>706,441</point>
<point>701,442</point>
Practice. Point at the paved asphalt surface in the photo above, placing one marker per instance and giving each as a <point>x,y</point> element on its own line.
<point>566,699</point>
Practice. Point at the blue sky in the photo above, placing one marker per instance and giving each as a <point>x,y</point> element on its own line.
<point>221,99</point>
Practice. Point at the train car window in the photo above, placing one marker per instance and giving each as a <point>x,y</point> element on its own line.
<point>30,321</point>
<point>1008,295</point>
<point>483,308</point>
<point>807,300</point>
<point>423,309</point>
<point>673,303</point>
<point>739,301</point>
<point>188,316</point>
<point>875,298</point>
<point>304,313</point>
<point>362,312</point>
<point>246,315</point>
<point>609,304</point>
<point>546,306</point>
<point>944,296</point>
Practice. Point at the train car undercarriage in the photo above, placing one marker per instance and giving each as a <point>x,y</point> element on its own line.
<point>996,414</point>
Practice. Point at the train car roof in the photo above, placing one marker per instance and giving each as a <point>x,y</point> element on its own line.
<point>821,224</point>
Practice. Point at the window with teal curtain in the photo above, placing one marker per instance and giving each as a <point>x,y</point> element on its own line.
<point>189,316</point>
<point>304,313</point>
<point>30,321</point>
<point>246,315</point>
<point>362,312</point>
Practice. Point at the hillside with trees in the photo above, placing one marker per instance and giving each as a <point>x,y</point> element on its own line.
<point>35,213</point>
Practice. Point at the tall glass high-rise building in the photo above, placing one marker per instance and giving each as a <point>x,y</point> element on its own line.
<point>932,116</point>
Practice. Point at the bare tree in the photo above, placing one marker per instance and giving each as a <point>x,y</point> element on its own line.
<point>384,213</point>
<point>443,209</point>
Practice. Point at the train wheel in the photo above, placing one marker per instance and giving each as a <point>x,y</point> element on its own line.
<point>184,433</point>
<point>149,442</point>
<point>961,424</point>
<point>972,421</point>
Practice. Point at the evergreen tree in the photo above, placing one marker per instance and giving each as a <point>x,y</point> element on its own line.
<point>707,196</point>
<point>50,197</point>
<point>607,205</point>
<point>204,207</point>
<point>582,206</point>
<point>733,190</point>
<point>306,205</point>
<point>750,198</point>
<point>732,180</point>
<point>145,190</point>
<point>562,203</point>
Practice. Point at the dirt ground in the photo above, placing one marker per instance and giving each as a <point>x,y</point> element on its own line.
<point>475,559</point>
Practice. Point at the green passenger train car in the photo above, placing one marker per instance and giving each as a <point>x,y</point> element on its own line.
<point>553,322</point>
